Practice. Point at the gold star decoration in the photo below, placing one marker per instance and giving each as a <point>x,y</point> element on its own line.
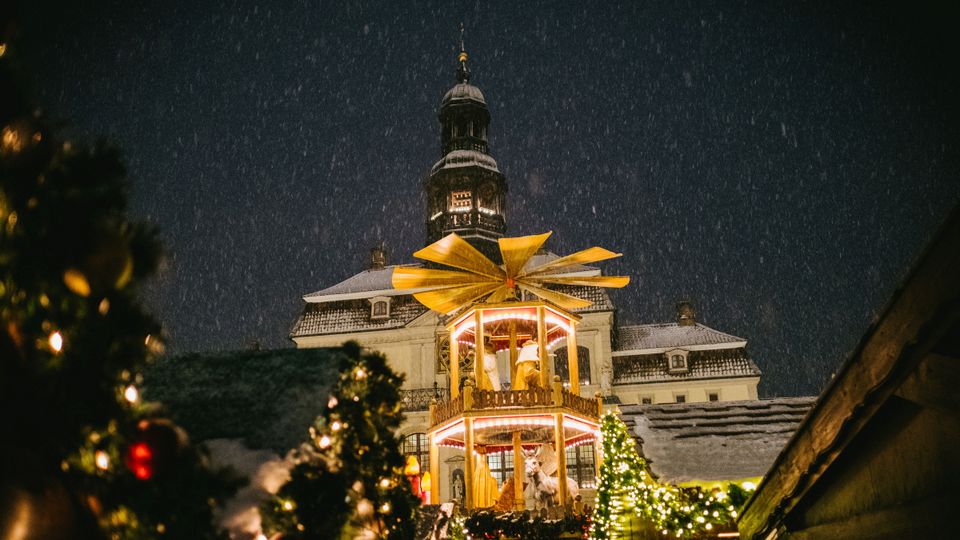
<point>481,279</point>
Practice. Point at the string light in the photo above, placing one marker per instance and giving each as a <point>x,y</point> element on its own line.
<point>56,342</point>
<point>102,460</point>
<point>131,394</point>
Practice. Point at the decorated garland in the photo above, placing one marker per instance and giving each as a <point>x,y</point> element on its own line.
<point>628,494</point>
<point>491,525</point>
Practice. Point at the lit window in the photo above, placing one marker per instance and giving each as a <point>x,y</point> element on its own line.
<point>461,199</point>
<point>581,467</point>
<point>418,445</point>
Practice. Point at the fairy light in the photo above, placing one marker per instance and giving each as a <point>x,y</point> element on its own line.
<point>324,442</point>
<point>102,460</point>
<point>131,394</point>
<point>55,341</point>
<point>493,316</point>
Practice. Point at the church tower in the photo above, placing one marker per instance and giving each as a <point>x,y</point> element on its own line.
<point>466,193</point>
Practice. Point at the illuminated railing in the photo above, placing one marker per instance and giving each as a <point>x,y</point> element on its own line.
<point>446,410</point>
<point>582,405</point>
<point>500,399</point>
<point>509,401</point>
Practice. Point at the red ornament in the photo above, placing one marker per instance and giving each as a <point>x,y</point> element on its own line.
<point>140,460</point>
<point>156,449</point>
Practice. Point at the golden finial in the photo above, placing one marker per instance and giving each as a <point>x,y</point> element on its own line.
<point>463,72</point>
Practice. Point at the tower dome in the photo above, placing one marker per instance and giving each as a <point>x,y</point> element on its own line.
<point>466,193</point>
<point>463,92</point>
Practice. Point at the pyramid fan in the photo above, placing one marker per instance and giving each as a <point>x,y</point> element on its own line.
<point>446,291</point>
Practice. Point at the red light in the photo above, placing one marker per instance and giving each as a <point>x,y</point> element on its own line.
<point>140,460</point>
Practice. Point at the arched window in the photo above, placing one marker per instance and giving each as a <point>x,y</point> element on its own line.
<point>418,445</point>
<point>581,466</point>
<point>583,363</point>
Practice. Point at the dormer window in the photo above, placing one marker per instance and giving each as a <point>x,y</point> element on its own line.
<point>380,307</point>
<point>677,361</point>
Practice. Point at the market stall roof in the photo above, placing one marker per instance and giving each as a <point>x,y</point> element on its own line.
<point>711,441</point>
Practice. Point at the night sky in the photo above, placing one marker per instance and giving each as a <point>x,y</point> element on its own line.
<point>779,164</point>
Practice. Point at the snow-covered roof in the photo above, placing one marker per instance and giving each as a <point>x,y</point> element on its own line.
<point>348,316</point>
<point>366,284</point>
<point>720,440</point>
<point>463,91</point>
<point>465,158</point>
<point>705,364</point>
<point>342,308</point>
<point>661,337</point>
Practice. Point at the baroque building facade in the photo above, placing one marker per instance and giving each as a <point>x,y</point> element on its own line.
<point>466,193</point>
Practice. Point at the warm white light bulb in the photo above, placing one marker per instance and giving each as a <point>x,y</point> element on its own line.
<point>131,394</point>
<point>102,459</point>
<point>56,341</point>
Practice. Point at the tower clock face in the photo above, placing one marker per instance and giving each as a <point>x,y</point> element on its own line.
<point>443,356</point>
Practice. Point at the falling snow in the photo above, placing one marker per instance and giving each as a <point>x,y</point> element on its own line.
<point>779,166</point>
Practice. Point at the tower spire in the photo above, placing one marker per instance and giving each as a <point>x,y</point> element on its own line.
<point>463,72</point>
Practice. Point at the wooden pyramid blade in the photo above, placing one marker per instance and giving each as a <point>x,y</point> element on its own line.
<point>406,277</point>
<point>451,250</point>
<point>563,300</point>
<point>450,299</point>
<point>586,256</point>
<point>615,282</point>
<point>499,295</point>
<point>517,251</point>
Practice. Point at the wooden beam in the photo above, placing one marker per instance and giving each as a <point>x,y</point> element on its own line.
<point>927,518</point>
<point>573,364</point>
<point>478,374</point>
<point>513,351</point>
<point>542,344</point>
<point>934,384</point>
<point>454,368</point>
<point>434,470</point>
<point>519,466</point>
<point>559,445</point>
<point>469,461</point>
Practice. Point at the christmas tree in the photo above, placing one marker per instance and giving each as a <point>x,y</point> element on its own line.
<point>81,456</point>
<point>348,481</point>
<point>629,498</point>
